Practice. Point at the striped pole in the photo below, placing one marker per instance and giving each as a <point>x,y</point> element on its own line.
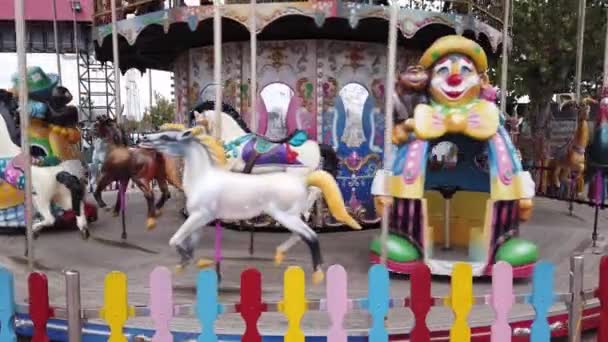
<point>388,111</point>
<point>25,125</point>
<point>580,37</point>
<point>605,83</point>
<point>217,66</point>
<point>217,72</point>
<point>254,71</point>
<point>253,93</point>
<point>505,59</point>
<point>56,37</point>
<point>116,62</point>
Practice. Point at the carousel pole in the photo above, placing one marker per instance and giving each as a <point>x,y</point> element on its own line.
<point>116,62</point>
<point>253,92</point>
<point>56,37</point>
<point>388,110</point>
<point>75,9</point>
<point>505,59</point>
<point>150,87</point>
<point>580,37</point>
<point>25,125</point>
<point>600,173</point>
<point>217,73</point>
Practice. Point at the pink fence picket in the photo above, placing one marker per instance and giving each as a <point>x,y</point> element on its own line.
<point>337,302</point>
<point>161,303</point>
<point>502,299</point>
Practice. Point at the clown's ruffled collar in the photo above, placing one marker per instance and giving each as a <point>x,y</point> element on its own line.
<point>460,109</point>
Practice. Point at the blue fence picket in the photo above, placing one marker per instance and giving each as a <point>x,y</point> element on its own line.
<point>7,306</point>
<point>378,302</point>
<point>207,304</point>
<point>542,298</point>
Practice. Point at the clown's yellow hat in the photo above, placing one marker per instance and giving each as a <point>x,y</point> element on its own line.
<point>455,44</point>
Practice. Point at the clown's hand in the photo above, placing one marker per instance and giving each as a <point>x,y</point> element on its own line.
<point>525,209</point>
<point>382,203</point>
<point>382,197</point>
<point>525,204</point>
<point>400,133</point>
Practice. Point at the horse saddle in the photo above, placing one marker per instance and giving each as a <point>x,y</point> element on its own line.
<point>12,171</point>
<point>263,145</point>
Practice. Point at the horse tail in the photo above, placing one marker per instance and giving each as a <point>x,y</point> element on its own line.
<point>330,159</point>
<point>76,188</point>
<point>324,181</point>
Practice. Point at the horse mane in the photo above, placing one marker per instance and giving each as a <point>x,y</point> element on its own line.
<point>172,127</point>
<point>226,108</point>
<point>212,145</point>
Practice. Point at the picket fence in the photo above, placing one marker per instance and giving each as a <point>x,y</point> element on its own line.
<point>116,310</point>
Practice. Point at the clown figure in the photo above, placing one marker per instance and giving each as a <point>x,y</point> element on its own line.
<point>475,200</point>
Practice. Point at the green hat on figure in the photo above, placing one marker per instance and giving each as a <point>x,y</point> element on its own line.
<point>39,83</point>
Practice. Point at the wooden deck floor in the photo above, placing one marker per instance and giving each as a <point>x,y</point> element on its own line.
<point>557,234</point>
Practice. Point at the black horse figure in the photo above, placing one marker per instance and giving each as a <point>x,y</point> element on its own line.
<point>8,110</point>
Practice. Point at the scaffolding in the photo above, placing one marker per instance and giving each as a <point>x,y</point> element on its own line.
<point>95,86</point>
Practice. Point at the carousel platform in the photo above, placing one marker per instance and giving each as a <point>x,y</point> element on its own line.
<point>557,234</point>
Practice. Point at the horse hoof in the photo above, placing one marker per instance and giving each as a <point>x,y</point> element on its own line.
<point>150,223</point>
<point>85,234</point>
<point>123,236</point>
<point>278,258</point>
<point>204,263</point>
<point>35,235</point>
<point>115,213</point>
<point>106,208</point>
<point>158,212</point>
<point>318,277</point>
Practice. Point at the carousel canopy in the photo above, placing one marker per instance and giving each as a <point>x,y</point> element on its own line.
<point>155,39</point>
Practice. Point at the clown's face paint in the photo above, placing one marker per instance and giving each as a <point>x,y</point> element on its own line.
<point>455,80</point>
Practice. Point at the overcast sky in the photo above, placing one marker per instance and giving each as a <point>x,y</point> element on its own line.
<point>161,80</point>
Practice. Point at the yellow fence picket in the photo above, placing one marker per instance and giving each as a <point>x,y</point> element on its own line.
<point>294,303</point>
<point>461,302</point>
<point>116,310</point>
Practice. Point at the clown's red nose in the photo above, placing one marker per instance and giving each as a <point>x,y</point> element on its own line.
<point>454,79</point>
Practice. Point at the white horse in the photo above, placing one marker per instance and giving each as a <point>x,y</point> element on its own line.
<point>295,153</point>
<point>213,192</point>
<point>59,184</point>
<point>100,150</point>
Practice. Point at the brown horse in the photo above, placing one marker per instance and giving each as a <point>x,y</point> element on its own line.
<point>124,163</point>
<point>572,160</point>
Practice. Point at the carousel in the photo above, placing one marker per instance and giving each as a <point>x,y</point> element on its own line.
<point>320,68</point>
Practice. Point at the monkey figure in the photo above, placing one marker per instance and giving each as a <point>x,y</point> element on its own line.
<point>410,91</point>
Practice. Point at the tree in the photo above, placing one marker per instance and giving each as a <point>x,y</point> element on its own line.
<point>543,58</point>
<point>160,113</point>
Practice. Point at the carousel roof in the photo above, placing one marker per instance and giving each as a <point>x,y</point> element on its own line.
<point>155,39</point>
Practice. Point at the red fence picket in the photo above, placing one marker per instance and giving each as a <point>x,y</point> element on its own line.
<point>602,294</point>
<point>40,308</point>
<point>251,305</point>
<point>420,302</point>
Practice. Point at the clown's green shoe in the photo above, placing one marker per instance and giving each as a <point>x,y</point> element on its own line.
<point>397,249</point>
<point>517,252</point>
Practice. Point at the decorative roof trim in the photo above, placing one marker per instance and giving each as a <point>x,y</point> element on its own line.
<point>409,21</point>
